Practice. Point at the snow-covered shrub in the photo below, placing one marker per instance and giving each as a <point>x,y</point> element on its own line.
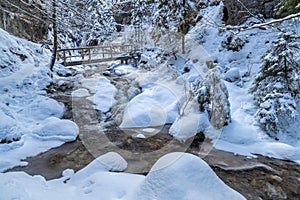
<point>220,106</point>
<point>233,43</point>
<point>212,97</point>
<point>277,86</point>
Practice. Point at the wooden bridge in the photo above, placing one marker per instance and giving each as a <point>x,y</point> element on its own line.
<point>94,54</point>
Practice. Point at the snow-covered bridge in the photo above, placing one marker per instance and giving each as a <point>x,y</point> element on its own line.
<point>94,54</point>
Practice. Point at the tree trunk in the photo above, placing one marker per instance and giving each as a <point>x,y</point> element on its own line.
<point>182,42</point>
<point>183,29</point>
<point>55,45</point>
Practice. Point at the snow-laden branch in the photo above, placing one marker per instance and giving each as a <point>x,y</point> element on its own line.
<point>244,28</point>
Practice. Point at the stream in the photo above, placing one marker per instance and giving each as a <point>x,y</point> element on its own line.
<point>255,178</point>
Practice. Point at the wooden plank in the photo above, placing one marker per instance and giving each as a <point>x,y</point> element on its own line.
<point>81,62</point>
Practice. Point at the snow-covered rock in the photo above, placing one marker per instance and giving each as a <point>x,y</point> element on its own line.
<point>155,106</point>
<point>232,75</point>
<point>190,123</point>
<point>55,128</point>
<point>104,97</point>
<point>183,176</point>
<point>113,162</point>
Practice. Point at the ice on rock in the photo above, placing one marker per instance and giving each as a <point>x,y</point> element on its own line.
<point>82,92</point>
<point>184,176</point>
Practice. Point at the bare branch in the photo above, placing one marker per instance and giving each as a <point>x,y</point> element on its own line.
<point>270,23</point>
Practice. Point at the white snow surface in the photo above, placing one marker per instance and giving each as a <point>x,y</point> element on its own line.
<point>174,176</point>
<point>30,121</point>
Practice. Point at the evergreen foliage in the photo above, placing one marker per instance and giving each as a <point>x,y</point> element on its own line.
<point>288,7</point>
<point>276,88</point>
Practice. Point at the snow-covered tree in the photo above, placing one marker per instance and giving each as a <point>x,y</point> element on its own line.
<point>85,22</point>
<point>176,15</point>
<point>277,86</point>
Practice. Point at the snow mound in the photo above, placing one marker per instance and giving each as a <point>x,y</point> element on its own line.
<point>155,106</point>
<point>190,123</point>
<point>104,97</point>
<point>113,162</point>
<point>43,107</point>
<point>184,176</point>
<point>232,75</point>
<point>55,128</point>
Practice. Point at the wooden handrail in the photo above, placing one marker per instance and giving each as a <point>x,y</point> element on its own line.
<point>85,54</point>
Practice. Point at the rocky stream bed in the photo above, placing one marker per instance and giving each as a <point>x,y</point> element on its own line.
<point>255,178</point>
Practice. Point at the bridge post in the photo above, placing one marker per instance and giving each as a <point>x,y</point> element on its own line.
<point>111,55</point>
<point>89,55</point>
<point>64,54</point>
<point>82,54</point>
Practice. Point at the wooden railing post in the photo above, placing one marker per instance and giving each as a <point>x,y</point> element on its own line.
<point>111,55</point>
<point>89,55</point>
<point>64,54</point>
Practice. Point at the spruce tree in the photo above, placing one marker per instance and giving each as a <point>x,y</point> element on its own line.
<point>276,87</point>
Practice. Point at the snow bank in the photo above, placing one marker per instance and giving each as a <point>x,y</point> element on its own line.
<point>183,176</point>
<point>30,121</point>
<point>92,182</point>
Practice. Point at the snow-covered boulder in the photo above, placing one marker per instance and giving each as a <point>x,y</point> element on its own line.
<point>113,162</point>
<point>104,97</point>
<point>232,75</point>
<point>190,123</point>
<point>155,106</point>
<point>9,127</point>
<point>108,162</point>
<point>43,107</point>
<point>55,128</point>
<point>184,176</point>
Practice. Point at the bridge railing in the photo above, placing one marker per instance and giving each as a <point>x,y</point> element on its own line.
<point>90,54</point>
